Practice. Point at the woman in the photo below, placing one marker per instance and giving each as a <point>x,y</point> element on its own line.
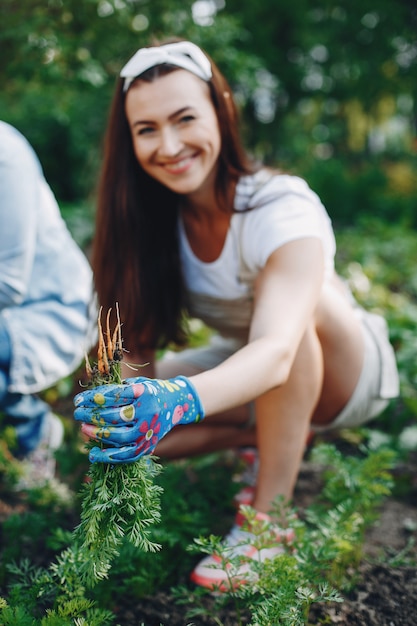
<point>187,222</point>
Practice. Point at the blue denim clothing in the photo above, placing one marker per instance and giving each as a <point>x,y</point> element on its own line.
<point>45,279</point>
<point>25,412</point>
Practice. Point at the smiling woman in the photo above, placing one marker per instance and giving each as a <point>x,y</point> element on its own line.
<point>187,225</point>
<point>175,133</point>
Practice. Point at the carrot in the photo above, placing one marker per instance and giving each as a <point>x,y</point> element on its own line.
<point>120,502</point>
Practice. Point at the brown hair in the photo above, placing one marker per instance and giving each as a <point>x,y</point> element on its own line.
<point>135,256</point>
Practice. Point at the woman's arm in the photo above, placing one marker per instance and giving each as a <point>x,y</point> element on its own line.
<point>287,292</point>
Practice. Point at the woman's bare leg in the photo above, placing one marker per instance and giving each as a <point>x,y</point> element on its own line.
<point>217,432</point>
<point>193,440</point>
<point>341,339</point>
<point>283,421</point>
<point>324,375</point>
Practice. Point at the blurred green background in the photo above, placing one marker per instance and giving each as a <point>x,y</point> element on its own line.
<point>327,89</point>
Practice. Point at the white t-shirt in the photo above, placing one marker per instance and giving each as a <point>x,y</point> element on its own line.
<point>283,209</point>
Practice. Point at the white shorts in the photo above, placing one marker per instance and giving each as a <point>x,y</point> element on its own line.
<point>377,384</point>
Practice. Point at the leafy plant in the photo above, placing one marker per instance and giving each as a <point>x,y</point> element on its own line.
<point>327,548</point>
<point>119,504</point>
<point>120,501</point>
<point>10,469</point>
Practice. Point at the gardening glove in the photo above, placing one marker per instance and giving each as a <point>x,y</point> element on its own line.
<point>133,416</point>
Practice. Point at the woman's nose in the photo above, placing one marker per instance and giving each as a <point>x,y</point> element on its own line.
<point>171,143</point>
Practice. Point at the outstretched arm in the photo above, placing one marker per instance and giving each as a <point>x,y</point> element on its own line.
<point>287,293</point>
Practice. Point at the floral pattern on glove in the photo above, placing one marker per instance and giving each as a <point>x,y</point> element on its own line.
<point>134,416</point>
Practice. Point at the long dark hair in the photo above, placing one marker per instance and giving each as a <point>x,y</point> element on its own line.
<point>135,255</point>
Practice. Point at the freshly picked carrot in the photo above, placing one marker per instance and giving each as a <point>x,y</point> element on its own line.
<point>120,502</point>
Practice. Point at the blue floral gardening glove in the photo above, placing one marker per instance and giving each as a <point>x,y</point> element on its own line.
<point>133,416</point>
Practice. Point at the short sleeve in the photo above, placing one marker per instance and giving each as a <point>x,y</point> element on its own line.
<point>284,209</point>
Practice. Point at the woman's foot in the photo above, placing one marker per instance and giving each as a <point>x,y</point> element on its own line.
<point>248,542</point>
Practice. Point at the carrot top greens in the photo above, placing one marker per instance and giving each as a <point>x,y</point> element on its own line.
<point>120,502</point>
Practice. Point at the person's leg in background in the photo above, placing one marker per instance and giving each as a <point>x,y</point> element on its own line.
<point>38,431</point>
<point>27,413</point>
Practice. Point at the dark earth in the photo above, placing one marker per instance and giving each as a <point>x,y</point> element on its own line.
<point>386,591</point>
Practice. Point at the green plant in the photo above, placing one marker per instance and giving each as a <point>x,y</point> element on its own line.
<point>281,590</point>
<point>120,501</point>
<point>10,469</point>
<point>119,504</point>
<point>329,537</point>
<point>328,544</point>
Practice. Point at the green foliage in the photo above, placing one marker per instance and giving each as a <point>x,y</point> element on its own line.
<point>349,193</point>
<point>378,261</point>
<point>61,589</point>
<point>317,96</point>
<point>195,499</point>
<point>10,470</point>
<point>119,502</point>
<point>16,616</point>
<point>354,488</point>
<point>327,548</point>
<point>366,478</point>
<point>289,603</point>
<point>329,537</point>
<point>33,589</point>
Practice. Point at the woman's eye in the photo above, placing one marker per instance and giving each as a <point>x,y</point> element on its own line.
<point>187,118</point>
<point>145,130</point>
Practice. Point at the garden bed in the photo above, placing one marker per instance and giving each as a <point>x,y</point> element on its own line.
<point>385,594</point>
<point>384,589</point>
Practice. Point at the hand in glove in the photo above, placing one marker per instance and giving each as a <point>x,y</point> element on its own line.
<point>134,416</point>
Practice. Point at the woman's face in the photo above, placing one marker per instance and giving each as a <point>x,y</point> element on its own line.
<point>175,131</point>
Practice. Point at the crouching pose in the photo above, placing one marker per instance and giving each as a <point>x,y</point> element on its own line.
<point>186,222</point>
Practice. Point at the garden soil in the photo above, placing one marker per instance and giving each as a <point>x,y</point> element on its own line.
<point>385,592</point>
<point>385,588</point>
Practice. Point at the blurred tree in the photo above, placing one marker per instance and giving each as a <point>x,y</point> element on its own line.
<point>332,54</point>
<point>328,89</point>
<point>59,62</point>
<point>345,90</point>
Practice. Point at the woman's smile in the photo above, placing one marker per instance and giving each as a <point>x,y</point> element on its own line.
<point>181,166</point>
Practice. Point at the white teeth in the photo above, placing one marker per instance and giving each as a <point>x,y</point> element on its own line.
<point>178,165</point>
